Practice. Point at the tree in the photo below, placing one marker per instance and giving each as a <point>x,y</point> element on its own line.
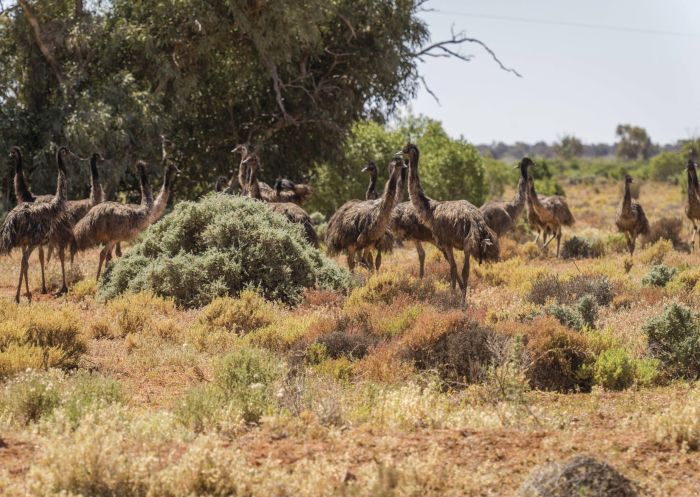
<point>290,76</point>
<point>634,142</point>
<point>569,147</point>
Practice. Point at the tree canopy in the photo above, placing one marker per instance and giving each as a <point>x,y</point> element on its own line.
<point>290,76</point>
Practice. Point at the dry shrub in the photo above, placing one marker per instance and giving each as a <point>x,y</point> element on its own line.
<point>680,425</point>
<point>38,336</point>
<point>578,476</point>
<point>384,365</point>
<point>509,248</point>
<point>550,287</point>
<point>240,315</point>
<point>83,290</point>
<point>686,281</point>
<point>582,248</point>
<point>322,298</point>
<point>655,253</point>
<point>668,228</point>
<point>352,337</point>
<point>284,335</point>
<point>143,313</point>
<point>530,250</point>
<point>383,288</point>
<point>554,356</point>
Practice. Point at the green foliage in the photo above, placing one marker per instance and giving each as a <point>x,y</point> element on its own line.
<point>674,339</point>
<point>577,247</point>
<point>247,378</point>
<point>221,246</point>
<point>587,308</point>
<point>566,315</point>
<point>667,166</point>
<point>569,147</point>
<point>634,142</point>
<point>614,369</point>
<point>659,275</point>
<point>498,176</point>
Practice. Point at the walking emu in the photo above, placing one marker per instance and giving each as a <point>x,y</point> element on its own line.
<point>109,223</point>
<point>501,216</point>
<point>30,223</point>
<point>291,211</point>
<point>455,224</point>
<point>360,225</point>
<point>692,207</point>
<point>630,218</point>
<point>549,214</point>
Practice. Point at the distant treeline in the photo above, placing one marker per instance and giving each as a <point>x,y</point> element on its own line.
<point>506,151</point>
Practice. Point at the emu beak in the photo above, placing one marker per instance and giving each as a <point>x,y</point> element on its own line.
<point>365,169</point>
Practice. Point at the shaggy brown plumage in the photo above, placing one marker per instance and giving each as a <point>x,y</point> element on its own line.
<point>631,219</point>
<point>692,206</point>
<point>221,184</point>
<point>502,216</point>
<point>359,225</point>
<point>455,224</point>
<point>386,244</point>
<point>288,191</point>
<point>551,214</point>
<point>30,223</point>
<point>111,222</point>
<point>291,211</point>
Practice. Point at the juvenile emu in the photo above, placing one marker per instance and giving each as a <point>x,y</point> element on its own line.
<point>549,214</point>
<point>502,216</point>
<point>111,222</point>
<point>631,219</point>
<point>29,224</point>
<point>360,225</point>
<point>455,224</point>
<point>692,207</point>
<point>291,211</point>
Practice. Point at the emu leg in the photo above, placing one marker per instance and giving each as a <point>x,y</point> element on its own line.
<point>365,257</point>
<point>21,275</point>
<point>118,249</point>
<point>103,255</point>
<point>465,275</point>
<point>351,259</point>
<point>633,244</point>
<point>369,259</point>
<point>453,268</point>
<point>558,242</point>
<point>378,260</point>
<point>630,243</point>
<point>421,258</point>
<point>41,263</point>
<point>62,259</point>
<point>537,238</point>
<point>692,239</point>
<point>24,272</point>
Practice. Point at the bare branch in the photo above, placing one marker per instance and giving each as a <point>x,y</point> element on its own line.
<point>427,88</point>
<point>445,49</point>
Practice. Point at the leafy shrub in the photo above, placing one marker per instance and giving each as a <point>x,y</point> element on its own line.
<point>659,275</point>
<point>218,247</point>
<point>240,315</point>
<point>674,338</point>
<point>581,248</point>
<point>587,308</point>
<point>344,343</point>
<point>566,315</point>
<point>614,369</point>
<point>247,378</point>
<point>548,287</point>
<point>37,337</point>
<point>668,228</point>
<point>666,166</point>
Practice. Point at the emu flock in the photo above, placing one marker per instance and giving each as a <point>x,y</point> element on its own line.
<point>362,229</point>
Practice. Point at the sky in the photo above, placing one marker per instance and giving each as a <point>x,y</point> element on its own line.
<point>587,66</point>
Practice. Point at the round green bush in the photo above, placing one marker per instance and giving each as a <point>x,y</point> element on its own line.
<point>219,246</point>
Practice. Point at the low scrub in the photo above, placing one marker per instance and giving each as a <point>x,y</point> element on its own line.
<point>38,337</point>
<point>674,339</point>
<point>582,248</point>
<point>219,247</point>
<point>551,288</point>
<point>238,315</point>
<point>679,426</point>
<point>659,275</point>
<point>668,228</point>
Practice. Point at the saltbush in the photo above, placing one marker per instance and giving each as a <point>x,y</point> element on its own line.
<point>659,275</point>
<point>219,246</point>
<point>550,287</point>
<point>582,248</point>
<point>38,337</point>
<point>668,228</point>
<point>674,339</point>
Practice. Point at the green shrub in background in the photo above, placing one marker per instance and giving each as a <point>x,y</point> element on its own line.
<point>614,369</point>
<point>667,166</point>
<point>219,246</point>
<point>659,275</point>
<point>674,339</point>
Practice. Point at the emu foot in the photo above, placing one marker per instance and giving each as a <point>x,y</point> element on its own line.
<point>62,291</point>
<point>44,291</point>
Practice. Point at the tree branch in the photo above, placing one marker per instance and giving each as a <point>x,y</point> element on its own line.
<point>445,49</point>
<point>36,31</point>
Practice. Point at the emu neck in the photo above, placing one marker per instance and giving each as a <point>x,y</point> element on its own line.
<point>415,191</point>
<point>21,189</point>
<point>95,188</point>
<point>62,183</point>
<point>161,201</point>
<point>146,192</point>
<point>627,199</point>
<point>693,186</point>
<point>534,200</point>
<point>516,205</point>
<point>372,189</point>
<point>242,174</point>
<point>254,185</point>
<point>400,185</point>
<point>389,196</point>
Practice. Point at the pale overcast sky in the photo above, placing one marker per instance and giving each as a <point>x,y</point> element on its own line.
<point>640,66</point>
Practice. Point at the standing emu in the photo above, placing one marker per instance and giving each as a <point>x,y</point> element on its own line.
<point>455,224</point>
<point>111,222</point>
<point>501,216</point>
<point>291,211</point>
<point>549,213</point>
<point>387,242</point>
<point>360,225</point>
<point>692,208</point>
<point>630,218</point>
<point>30,223</point>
